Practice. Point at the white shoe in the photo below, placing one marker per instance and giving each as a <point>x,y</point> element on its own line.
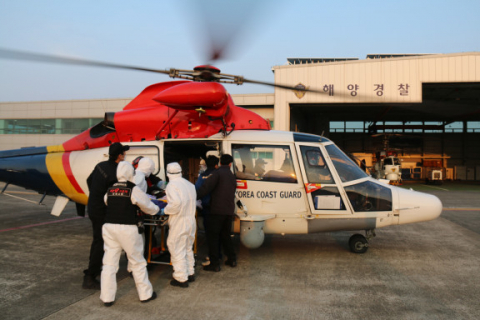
<point>206,262</point>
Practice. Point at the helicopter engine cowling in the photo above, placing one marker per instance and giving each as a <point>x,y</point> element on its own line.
<point>210,98</point>
<point>251,233</point>
<point>186,110</point>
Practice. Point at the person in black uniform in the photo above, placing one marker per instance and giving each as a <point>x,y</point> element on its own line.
<point>212,164</point>
<point>221,185</point>
<point>103,176</point>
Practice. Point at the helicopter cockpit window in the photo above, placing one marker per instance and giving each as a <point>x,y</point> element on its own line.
<point>369,196</point>
<point>315,167</point>
<point>315,159</point>
<point>388,161</point>
<point>346,168</point>
<point>263,163</point>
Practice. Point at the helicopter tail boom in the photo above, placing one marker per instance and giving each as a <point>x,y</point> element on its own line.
<point>46,170</point>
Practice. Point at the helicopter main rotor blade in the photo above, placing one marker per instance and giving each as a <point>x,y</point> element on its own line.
<point>205,75</point>
<point>28,56</point>
<point>222,26</point>
<point>287,87</point>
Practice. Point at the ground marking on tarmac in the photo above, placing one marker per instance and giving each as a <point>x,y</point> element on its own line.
<point>461,209</point>
<point>437,188</point>
<point>40,224</point>
<point>23,192</point>
<point>11,195</point>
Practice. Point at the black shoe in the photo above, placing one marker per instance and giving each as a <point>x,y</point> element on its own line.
<point>108,304</point>
<point>153,297</point>
<point>231,263</point>
<point>212,268</point>
<point>191,278</point>
<point>177,283</point>
<point>89,282</point>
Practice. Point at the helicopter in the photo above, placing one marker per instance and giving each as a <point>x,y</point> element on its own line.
<point>388,165</point>
<point>305,183</point>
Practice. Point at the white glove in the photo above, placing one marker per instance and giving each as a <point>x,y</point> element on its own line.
<point>199,204</point>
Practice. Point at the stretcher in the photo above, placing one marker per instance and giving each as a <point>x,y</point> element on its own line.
<point>156,233</point>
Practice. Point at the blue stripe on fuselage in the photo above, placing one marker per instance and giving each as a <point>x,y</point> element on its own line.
<point>27,168</point>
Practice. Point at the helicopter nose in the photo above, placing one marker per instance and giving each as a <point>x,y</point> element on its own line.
<point>416,206</point>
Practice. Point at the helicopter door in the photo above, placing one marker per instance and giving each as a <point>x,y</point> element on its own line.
<point>267,179</point>
<point>188,154</point>
<point>323,194</point>
<point>151,152</point>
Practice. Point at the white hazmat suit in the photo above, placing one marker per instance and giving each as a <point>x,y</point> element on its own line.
<point>145,168</point>
<point>125,236</point>
<point>181,198</point>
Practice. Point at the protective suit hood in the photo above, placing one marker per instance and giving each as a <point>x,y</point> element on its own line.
<point>174,171</point>
<point>125,171</point>
<point>147,166</point>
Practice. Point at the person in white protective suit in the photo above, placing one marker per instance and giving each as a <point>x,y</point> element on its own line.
<point>120,232</point>
<point>181,205</point>
<point>145,168</point>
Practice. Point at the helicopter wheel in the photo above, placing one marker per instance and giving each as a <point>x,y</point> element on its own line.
<point>358,243</point>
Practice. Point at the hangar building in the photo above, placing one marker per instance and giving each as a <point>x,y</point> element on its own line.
<point>425,107</point>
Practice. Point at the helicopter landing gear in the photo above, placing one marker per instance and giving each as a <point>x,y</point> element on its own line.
<point>358,243</point>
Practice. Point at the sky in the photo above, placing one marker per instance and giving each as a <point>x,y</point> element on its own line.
<point>176,34</point>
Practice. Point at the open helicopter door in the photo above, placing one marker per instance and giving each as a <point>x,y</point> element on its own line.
<point>325,194</point>
<point>188,154</point>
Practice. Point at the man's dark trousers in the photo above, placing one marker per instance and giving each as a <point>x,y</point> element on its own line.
<point>219,230</point>
<point>96,250</point>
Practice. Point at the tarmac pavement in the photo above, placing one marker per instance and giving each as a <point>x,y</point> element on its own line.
<point>427,270</point>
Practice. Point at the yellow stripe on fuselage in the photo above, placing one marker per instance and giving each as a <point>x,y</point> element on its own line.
<point>56,170</point>
<point>57,148</point>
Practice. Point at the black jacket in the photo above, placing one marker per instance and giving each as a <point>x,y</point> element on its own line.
<point>221,185</point>
<point>102,177</point>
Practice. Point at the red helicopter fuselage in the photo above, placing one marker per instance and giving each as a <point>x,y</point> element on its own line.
<point>177,109</point>
<point>167,110</point>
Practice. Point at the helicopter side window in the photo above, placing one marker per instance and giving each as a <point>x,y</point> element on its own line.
<point>327,198</point>
<point>315,166</point>
<point>263,163</point>
<point>388,162</point>
<point>346,168</point>
<point>369,196</point>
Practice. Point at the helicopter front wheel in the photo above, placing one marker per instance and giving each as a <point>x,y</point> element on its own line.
<point>358,243</point>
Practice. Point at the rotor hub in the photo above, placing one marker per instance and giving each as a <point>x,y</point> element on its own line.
<point>207,67</point>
